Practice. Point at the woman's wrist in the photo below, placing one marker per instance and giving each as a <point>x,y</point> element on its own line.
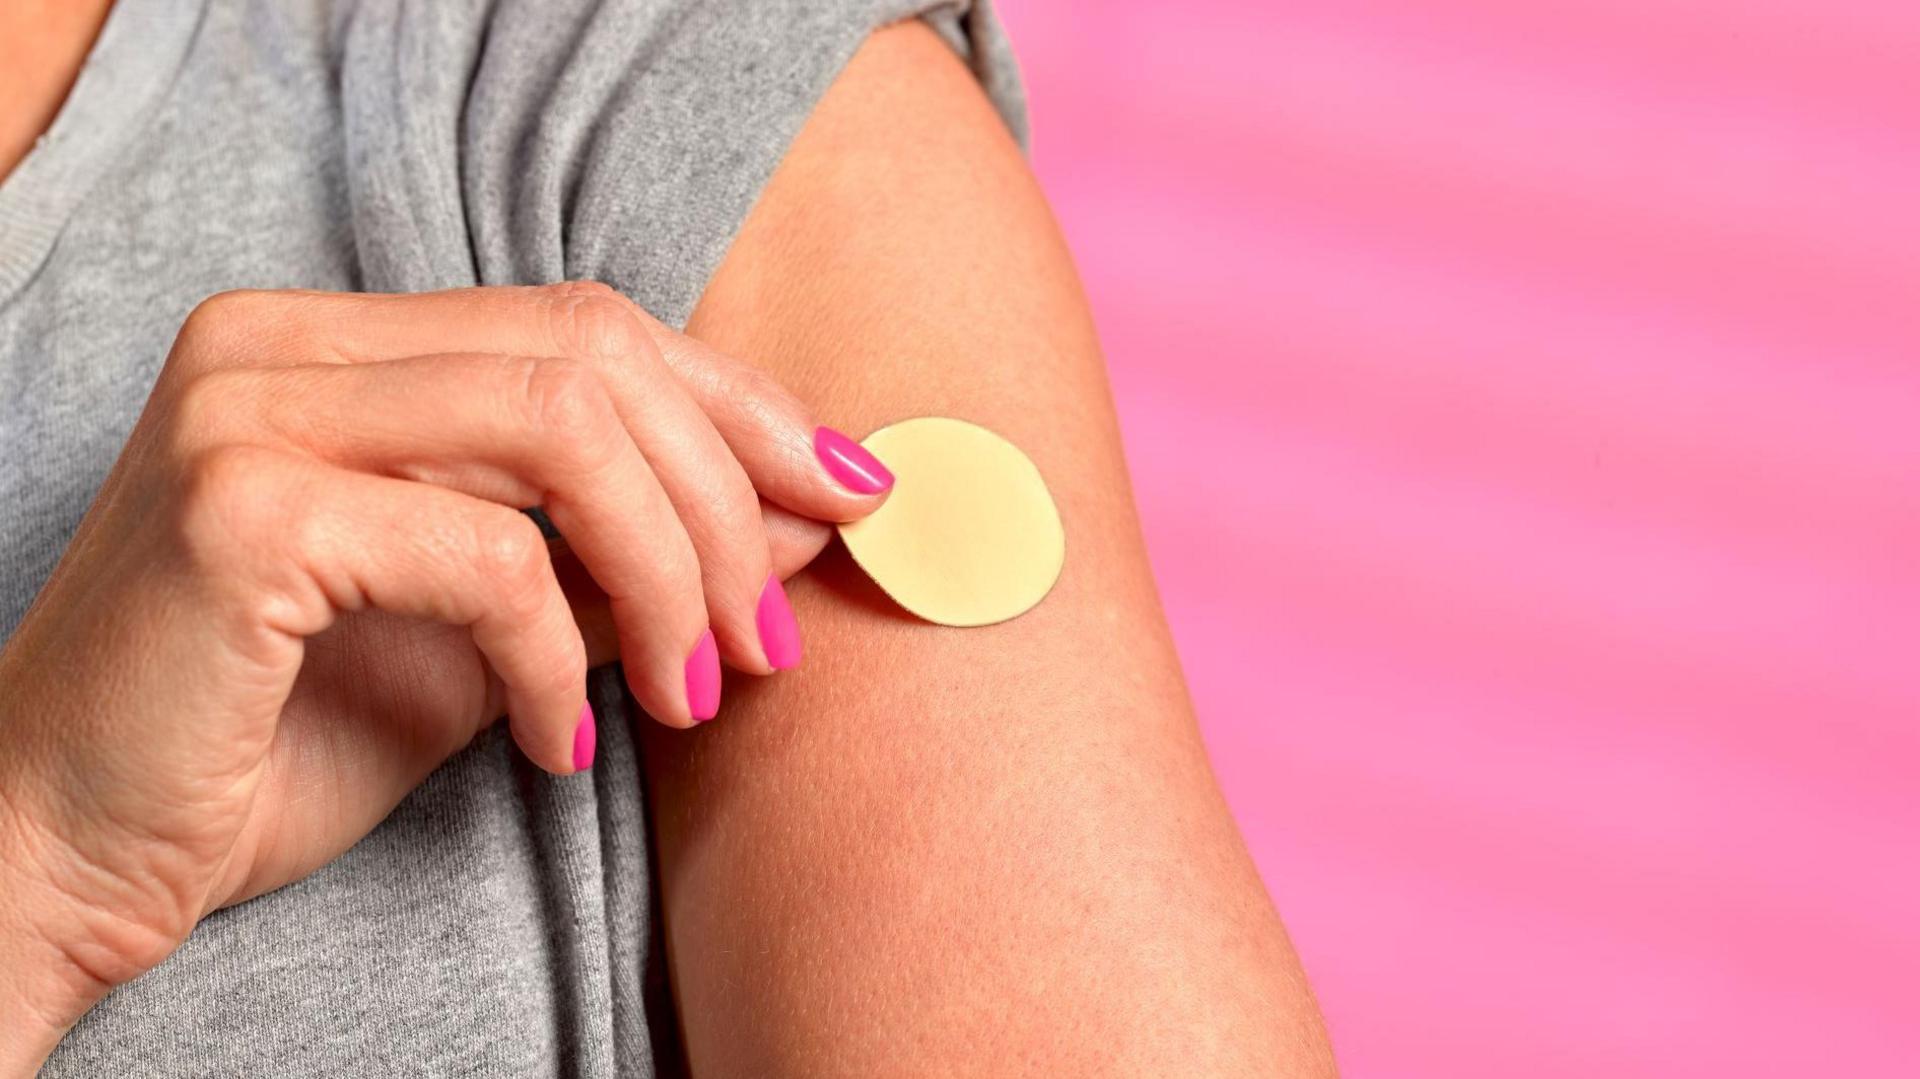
<point>43,989</point>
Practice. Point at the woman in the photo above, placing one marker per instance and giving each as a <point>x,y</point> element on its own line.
<point>265,590</point>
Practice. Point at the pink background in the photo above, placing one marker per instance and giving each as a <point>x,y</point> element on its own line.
<point>1523,402</point>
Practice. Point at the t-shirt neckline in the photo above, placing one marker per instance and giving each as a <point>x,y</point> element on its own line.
<point>125,76</point>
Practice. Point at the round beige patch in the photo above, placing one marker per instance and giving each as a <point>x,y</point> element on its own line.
<point>969,535</point>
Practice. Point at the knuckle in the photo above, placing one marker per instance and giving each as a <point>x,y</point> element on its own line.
<point>557,395</point>
<point>755,387</point>
<point>509,550</point>
<point>593,320</point>
<point>231,498</point>
<point>587,290</point>
<point>214,319</point>
<point>763,400</point>
<point>206,403</point>
<point>762,404</point>
<point>566,404</point>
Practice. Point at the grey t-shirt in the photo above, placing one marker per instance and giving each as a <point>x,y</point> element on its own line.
<point>499,922</point>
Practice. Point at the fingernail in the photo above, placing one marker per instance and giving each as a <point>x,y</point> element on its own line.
<point>779,632</point>
<point>585,735</point>
<point>703,679</point>
<point>850,463</point>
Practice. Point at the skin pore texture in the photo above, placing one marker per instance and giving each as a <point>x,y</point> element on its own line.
<point>986,851</point>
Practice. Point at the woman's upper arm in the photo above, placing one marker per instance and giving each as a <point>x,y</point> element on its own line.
<point>973,846</point>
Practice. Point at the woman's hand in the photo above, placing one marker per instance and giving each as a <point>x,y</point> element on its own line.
<point>307,582</point>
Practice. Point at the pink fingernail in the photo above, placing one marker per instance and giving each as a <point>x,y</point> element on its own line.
<point>850,463</point>
<point>703,679</point>
<point>779,632</point>
<point>585,736</point>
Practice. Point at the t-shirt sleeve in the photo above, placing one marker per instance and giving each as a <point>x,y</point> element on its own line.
<point>619,140</point>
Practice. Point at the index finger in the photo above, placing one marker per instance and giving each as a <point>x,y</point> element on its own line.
<point>794,462</point>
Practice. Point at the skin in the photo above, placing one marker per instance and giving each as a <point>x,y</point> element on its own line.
<point>42,44</point>
<point>981,851</point>
<point>975,851</point>
<point>319,592</point>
